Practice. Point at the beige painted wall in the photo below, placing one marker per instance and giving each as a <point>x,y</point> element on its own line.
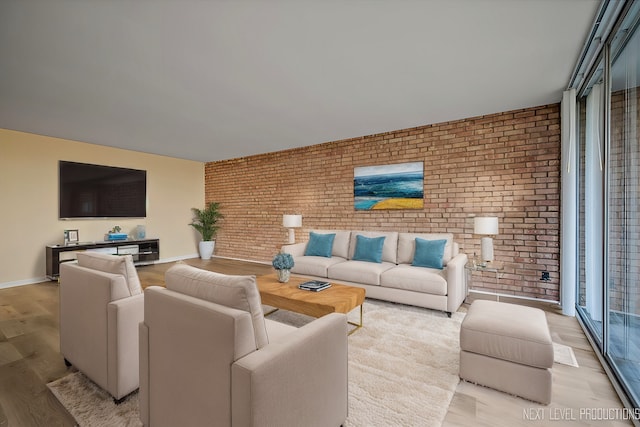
<point>29,201</point>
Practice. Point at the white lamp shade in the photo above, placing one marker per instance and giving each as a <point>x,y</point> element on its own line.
<point>487,225</point>
<point>292,221</point>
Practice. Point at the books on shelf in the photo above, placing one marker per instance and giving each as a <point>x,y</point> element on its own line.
<point>314,285</point>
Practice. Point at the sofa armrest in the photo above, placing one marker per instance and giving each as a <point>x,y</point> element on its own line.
<point>123,317</point>
<point>295,250</point>
<point>456,286</point>
<point>300,377</point>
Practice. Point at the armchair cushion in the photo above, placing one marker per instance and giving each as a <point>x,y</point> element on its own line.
<point>115,264</point>
<point>239,292</point>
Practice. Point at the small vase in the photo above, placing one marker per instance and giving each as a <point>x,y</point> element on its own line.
<point>283,275</point>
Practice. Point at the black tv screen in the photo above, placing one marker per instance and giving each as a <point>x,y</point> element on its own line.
<point>95,191</point>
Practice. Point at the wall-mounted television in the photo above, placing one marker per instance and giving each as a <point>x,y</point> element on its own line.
<point>96,191</point>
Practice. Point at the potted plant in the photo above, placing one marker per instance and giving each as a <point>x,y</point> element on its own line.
<point>283,263</point>
<point>205,221</point>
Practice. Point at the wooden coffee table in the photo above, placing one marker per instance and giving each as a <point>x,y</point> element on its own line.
<point>287,296</point>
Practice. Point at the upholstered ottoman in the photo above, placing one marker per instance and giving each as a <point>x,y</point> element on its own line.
<point>507,347</point>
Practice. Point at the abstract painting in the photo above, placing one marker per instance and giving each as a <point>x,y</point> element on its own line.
<point>398,186</point>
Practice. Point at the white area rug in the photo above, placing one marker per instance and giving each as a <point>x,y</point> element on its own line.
<point>564,354</point>
<point>403,370</point>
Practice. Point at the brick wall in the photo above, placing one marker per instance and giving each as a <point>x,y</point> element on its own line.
<point>504,165</point>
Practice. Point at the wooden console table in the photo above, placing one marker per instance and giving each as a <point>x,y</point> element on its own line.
<point>144,251</point>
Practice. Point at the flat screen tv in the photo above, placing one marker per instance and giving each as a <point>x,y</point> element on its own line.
<point>95,191</point>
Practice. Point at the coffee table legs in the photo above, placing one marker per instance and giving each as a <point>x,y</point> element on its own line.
<point>357,325</point>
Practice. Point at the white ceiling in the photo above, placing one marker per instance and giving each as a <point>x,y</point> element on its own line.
<point>212,80</point>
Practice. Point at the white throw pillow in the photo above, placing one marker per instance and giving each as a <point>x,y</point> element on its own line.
<point>239,292</point>
<point>115,264</point>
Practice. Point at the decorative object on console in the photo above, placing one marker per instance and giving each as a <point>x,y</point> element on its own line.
<point>291,222</point>
<point>283,263</point>
<point>115,234</point>
<point>488,227</point>
<point>398,186</point>
<point>141,232</point>
<point>71,236</point>
<point>205,221</point>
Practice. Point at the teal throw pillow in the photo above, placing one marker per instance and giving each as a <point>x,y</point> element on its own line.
<point>368,248</point>
<point>429,253</point>
<point>320,245</point>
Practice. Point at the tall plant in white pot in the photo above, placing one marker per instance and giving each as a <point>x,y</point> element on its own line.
<point>205,221</point>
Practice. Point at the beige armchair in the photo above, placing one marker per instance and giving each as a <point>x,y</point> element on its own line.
<point>209,357</point>
<point>101,306</point>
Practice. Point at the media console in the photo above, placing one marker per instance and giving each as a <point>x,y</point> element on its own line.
<point>144,251</point>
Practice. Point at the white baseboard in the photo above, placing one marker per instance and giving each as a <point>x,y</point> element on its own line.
<point>23,282</point>
<point>177,258</point>
<point>242,259</point>
<point>499,295</point>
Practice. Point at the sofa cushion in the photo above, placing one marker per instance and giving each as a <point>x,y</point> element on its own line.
<point>340,242</point>
<point>364,272</point>
<point>418,279</point>
<point>314,265</point>
<point>389,249</point>
<point>429,253</point>
<point>239,292</point>
<point>407,241</point>
<point>368,249</point>
<point>320,244</point>
<point>116,264</point>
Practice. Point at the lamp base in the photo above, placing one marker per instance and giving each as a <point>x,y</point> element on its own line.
<point>486,253</point>
<point>292,236</point>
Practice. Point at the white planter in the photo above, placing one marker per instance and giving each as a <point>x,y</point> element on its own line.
<point>283,275</point>
<point>206,249</point>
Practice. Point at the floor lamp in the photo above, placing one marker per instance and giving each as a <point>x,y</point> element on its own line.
<point>291,222</point>
<point>486,226</point>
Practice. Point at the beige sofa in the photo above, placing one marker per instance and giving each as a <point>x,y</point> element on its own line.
<point>394,278</point>
<point>209,357</point>
<point>101,305</point>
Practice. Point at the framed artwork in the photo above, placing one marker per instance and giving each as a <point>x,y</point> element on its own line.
<point>396,186</point>
<point>71,236</point>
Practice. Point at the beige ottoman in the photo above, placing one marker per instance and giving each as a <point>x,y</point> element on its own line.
<point>507,347</point>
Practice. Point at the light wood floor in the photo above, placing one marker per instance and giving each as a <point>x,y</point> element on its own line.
<point>29,358</point>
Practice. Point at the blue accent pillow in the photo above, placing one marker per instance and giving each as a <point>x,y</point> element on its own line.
<point>429,253</point>
<point>319,245</point>
<point>368,248</point>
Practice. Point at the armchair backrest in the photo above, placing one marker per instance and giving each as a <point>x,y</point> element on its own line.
<point>239,292</point>
<point>115,264</point>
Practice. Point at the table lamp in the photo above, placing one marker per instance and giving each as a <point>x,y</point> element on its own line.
<point>486,226</point>
<point>291,222</point>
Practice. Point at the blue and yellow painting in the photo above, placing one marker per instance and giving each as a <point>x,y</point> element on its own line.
<point>399,186</point>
